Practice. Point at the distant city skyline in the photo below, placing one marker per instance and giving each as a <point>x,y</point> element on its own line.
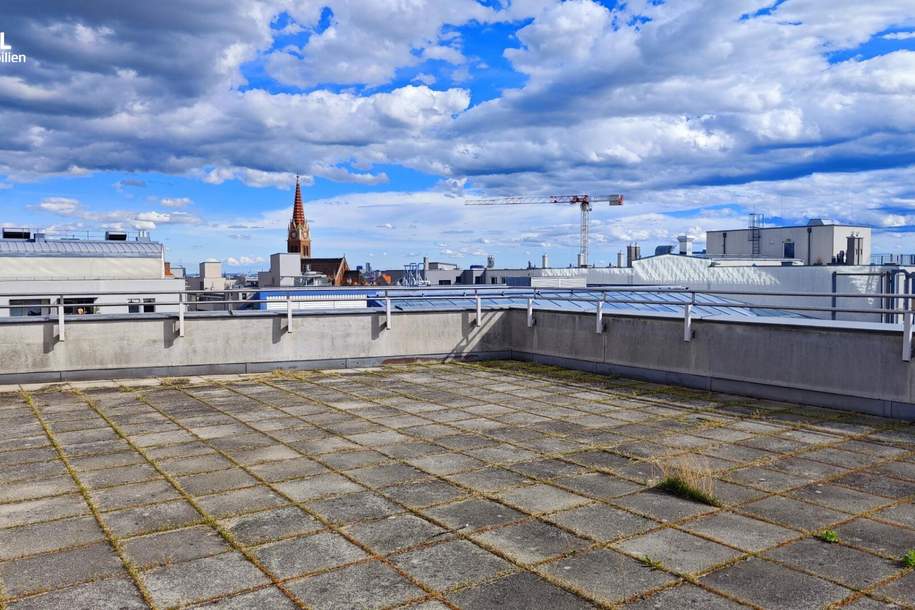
<point>194,126</point>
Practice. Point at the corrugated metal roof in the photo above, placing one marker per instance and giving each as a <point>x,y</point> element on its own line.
<point>80,248</point>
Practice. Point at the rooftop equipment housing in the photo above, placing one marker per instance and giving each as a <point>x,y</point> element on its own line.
<point>854,251</point>
<point>11,233</point>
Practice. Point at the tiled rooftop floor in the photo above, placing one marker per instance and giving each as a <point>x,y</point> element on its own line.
<point>444,485</point>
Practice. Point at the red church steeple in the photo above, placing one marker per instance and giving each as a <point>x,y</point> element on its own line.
<point>298,212</point>
<point>299,239</point>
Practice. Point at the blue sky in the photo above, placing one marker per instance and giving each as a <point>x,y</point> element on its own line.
<point>194,126</point>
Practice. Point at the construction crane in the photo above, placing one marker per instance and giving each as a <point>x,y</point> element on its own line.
<point>582,201</point>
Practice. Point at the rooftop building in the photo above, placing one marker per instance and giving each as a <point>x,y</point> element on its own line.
<point>36,273</point>
<point>286,271</point>
<point>28,255</point>
<point>819,242</point>
<point>209,277</point>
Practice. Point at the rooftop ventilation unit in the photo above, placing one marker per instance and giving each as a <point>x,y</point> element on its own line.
<point>9,233</point>
<point>115,236</point>
<point>686,244</point>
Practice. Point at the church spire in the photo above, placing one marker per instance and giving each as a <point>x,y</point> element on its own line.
<point>299,239</point>
<point>298,212</point>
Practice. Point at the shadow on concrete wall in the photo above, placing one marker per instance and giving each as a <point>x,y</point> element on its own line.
<point>48,337</point>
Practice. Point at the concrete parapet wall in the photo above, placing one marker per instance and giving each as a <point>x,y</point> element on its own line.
<point>131,347</point>
<point>846,368</point>
<point>841,367</point>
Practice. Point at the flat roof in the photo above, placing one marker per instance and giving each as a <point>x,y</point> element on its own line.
<point>790,227</point>
<point>81,248</point>
<point>477,485</point>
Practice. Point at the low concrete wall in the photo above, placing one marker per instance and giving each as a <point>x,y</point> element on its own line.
<point>846,367</point>
<point>218,343</point>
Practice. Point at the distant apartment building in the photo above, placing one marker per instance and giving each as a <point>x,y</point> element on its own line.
<point>209,277</point>
<point>286,271</point>
<point>819,242</point>
<point>37,274</point>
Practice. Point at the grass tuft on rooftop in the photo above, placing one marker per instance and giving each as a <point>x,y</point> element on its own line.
<point>680,487</point>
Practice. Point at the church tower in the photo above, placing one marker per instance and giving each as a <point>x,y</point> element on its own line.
<point>299,239</point>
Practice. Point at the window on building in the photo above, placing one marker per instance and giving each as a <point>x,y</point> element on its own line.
<point>444,282</point>
<point>79,306</point>
<point>492,280</point>
<point>148,305</point>
<point>30,307</point>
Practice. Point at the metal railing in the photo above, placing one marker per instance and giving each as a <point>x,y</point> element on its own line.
<point>893,259</point>
<point>385,299</point>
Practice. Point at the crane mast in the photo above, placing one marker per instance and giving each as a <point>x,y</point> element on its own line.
<point>582,201</point>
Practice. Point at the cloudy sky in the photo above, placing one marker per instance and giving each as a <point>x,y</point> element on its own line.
<point>190,118</point>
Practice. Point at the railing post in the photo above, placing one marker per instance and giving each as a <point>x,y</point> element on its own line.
<point>181,314</point>
<point>387,311</point>
<point>61,333</point>
<point>907,335</point>
<point>479,311</point>
<point>688,322</point>
<point>289,313</point>
<point>599,318</point>
<point>530,313</point>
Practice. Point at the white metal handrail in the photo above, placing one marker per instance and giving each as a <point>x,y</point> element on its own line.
<point>599,298</point>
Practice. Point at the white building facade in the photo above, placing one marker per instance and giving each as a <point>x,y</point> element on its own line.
<point>817,243</point>
<point>36,274</point>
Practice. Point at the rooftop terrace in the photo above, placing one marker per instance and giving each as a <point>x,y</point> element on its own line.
<point>428,486</point>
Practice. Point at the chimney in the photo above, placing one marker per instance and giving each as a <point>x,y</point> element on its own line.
<point>425,263</point>
<point>686,244</point>
<point>619,258</point>
<point>545,262</point>
<point>633,253</point>
<point>490,262</point>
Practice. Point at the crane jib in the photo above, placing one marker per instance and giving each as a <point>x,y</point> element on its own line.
<point>583,201</point>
